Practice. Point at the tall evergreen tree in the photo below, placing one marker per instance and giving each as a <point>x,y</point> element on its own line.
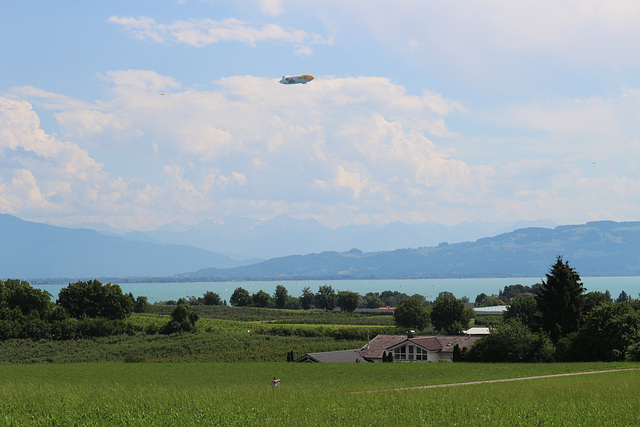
<point>457,353</point>
<point>607,295</point>
<point>560,299</point>
<point>623,297</point>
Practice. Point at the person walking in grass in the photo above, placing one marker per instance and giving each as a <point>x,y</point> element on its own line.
<point>275,383</point>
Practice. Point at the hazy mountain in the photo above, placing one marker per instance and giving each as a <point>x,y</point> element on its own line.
<point>33,250</point>
<point>601,248</point>
<point>283,235</point>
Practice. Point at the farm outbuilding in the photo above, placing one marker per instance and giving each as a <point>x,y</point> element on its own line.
<point>343,356</point>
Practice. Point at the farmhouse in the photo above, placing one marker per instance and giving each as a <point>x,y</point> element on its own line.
<point>424,348</point>
<point>405,348</point>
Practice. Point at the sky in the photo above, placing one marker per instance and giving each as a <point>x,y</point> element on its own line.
<point>139,114</point>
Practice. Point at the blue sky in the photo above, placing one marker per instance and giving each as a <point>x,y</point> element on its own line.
<point>137,114</point>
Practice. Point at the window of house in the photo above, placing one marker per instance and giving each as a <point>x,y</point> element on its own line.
<point>400,353</point>
<point>421,354</point>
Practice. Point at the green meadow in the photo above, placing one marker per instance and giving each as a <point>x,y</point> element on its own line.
<point>145,378</point>
<point>224,335</point>
<point>316,394</point>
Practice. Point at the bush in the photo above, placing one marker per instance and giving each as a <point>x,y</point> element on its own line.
<point>152,329</point>
<point>182,320</point>
<point>141,305</point>
<point>633,353</point>
<point>606,335</point>
<point>512,342</point>
<point>92,299</point>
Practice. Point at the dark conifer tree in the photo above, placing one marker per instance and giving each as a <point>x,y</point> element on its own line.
<point>560,299</point>
<point>623,297</point>
<point>457,353</point>
<point>607,295</point>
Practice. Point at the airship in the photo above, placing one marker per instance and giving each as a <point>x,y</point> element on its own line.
<point>296,79</point>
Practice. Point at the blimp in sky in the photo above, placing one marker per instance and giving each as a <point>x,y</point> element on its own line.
<point>296,79</point>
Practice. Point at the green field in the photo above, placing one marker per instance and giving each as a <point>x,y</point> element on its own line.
<point>315,394</point>
<point>225,334</point>
<point>85,382</point>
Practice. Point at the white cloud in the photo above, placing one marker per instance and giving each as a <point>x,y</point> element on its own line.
<point>275,142</point>
<point>83,123</point>
<point>351,180</point>
<point>203,32</point>
<point>44,173</point>
<point>501,25</point>
<point>50,100</point>
<point>496,48</point>
<point>271,7</point>
<point>139,80</point>
<point>338,149</point>
<point>600,130</point>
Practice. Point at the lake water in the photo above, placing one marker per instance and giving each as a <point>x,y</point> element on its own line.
<point>427,287</point>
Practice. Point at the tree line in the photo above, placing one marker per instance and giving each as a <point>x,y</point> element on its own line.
<point>83,309</point>
<point>326,298</point>
<point>563,322</point>
<point>553,320</point>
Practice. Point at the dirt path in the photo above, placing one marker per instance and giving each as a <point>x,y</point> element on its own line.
<point>500,380</point>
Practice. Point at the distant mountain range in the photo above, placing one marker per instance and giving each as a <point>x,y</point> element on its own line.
<point>282,235</point>
<point>601,248</point>
<point>31,250</point>
<point>37,251</point>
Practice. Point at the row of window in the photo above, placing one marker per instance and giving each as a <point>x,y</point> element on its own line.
<point>410,352</point>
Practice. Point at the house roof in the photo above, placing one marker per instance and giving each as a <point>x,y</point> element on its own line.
<point>428,343</point>
<point>343,356</point>
<point>379,344</point>
<point>442,343</point>
<point>449,342</point>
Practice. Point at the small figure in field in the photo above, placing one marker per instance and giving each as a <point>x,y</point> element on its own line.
<point>275,383</point>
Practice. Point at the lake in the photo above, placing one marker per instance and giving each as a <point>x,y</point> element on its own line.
<point>427,287</point>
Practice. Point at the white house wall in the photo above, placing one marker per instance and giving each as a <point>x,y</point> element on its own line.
<point>433,356</point>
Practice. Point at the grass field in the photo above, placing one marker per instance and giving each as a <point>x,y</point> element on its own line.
<point>315,394</point>
<point>225,334</point>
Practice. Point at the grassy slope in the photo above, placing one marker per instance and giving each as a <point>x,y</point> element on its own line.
<point>225,334</point>
<point>198,347</point>
<point>314,394</point>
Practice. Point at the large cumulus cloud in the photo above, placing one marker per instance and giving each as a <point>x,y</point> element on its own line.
<point>340,150</point>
